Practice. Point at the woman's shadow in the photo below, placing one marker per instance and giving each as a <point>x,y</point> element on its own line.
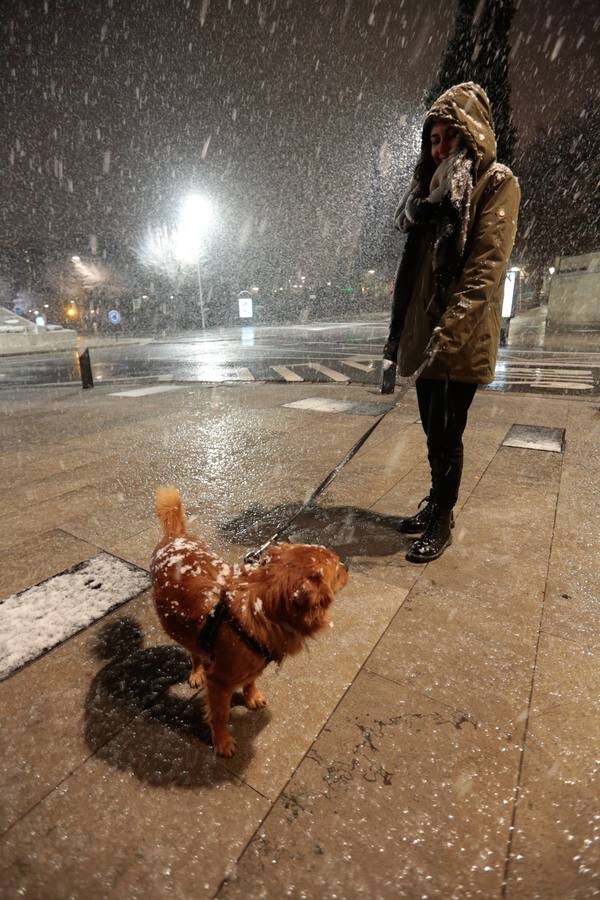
<point>140,715</point>
<point>353,533</point>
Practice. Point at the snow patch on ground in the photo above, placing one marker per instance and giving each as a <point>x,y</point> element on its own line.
<point>37,619</point>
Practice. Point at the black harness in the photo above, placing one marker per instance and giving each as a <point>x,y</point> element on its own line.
<point>221,613</point>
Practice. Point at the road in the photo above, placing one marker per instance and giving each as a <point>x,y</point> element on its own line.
<point>318,352</point>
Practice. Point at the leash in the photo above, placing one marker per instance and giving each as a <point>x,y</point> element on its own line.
<point>254,556</point>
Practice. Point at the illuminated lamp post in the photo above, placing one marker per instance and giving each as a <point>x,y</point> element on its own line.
<point>196,218</point>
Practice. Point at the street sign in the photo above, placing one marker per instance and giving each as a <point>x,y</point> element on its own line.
<point>114,317</point>
<point>245,305</point>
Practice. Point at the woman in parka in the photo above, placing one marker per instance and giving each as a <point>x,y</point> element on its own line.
<point>460,218</point>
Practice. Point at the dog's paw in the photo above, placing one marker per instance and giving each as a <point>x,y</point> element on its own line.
<point>256,701</point>
<point>226,746</point>
<point>197,679</point>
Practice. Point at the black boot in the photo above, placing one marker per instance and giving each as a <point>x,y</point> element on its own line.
<point>436,537</point>
<point>419,522</point>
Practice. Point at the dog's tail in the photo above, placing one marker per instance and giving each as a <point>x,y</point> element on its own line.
<point>170,511</point>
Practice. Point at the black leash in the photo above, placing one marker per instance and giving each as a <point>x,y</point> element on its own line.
<point>254,556</point>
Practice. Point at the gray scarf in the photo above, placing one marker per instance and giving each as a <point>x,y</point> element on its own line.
<point>452,181</point>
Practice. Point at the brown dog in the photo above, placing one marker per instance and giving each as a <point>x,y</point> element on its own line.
<point>234,620</point>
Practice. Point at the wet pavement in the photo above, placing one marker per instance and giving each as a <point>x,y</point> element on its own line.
<point>319,353</point>
<point>440,741</point>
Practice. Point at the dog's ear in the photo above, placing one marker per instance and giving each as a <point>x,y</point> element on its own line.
<point>314,591</point>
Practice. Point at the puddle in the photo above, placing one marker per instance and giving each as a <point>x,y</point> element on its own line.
<point>348,530</point>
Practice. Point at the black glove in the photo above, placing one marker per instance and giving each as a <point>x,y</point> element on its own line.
<point>388,377</point>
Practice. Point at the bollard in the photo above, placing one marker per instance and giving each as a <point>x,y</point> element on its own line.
<point>85,369</point>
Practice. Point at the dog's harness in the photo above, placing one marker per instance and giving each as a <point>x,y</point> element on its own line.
<point>221,613</point>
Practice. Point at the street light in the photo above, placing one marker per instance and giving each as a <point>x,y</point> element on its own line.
<point>196,218</point>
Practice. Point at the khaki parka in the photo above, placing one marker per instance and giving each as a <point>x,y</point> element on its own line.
<point>469,329</point>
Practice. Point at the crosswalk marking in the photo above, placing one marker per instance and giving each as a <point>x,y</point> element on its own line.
<point>243,374</point>
<point>567,385</point>
<point>512,376</point>
<point>361,366</point>
<point>330,373</point>
<point>543,373</point>
<point>570,360</point>
<point>564,385</point>
<point>146,391</point>
<point>286,373</point>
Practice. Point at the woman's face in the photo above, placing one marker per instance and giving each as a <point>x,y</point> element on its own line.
<point>445,139</point>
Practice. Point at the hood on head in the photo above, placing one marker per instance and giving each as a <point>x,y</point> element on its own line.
<point>468,108</point>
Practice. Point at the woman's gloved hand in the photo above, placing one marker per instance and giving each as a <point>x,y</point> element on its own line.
<point>436,343</point>
<point>388,376</point>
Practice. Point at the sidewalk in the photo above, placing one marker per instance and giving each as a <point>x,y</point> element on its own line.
<point>441,741</point>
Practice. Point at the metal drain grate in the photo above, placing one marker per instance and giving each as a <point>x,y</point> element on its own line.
<point>535,437</point>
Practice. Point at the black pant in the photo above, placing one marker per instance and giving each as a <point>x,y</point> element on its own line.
<point>444,406</point>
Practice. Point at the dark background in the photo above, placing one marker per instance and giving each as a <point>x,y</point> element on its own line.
<point>277,110</point>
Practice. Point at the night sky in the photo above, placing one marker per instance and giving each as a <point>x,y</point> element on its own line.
<point>113,110</point>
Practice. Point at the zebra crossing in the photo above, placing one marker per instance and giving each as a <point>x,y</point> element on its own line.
<point>335,362</point>
<point>512,373</point>
<point>560,372</point>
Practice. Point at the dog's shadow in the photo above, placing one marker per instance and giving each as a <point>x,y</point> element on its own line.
<point>140,717</point>
<point>352,532</point>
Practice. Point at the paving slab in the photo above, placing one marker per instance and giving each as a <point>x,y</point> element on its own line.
<point>47,703</point>
<point>572,607</point>
<point>556,844</point>
<point>439,646</point>
<point>303,694</point>
<point>399,797</point>
<point>127,836</point>
<point>51,552</point>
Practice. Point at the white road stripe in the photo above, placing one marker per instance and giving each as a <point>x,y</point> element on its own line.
<point>143,392</point>
<point>286,373</point>
<point>330,373</point>
<point>544,373</point>
<point>36,620</point>
<point>566,385</point>
<point>243,374</point>
<point>356,364</point>
<point>322,404</point>
<point>543,377</point>
<point>508,379</point>
<point>571,359</point>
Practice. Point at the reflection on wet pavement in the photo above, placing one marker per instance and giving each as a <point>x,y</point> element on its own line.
<point>350,531</point>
